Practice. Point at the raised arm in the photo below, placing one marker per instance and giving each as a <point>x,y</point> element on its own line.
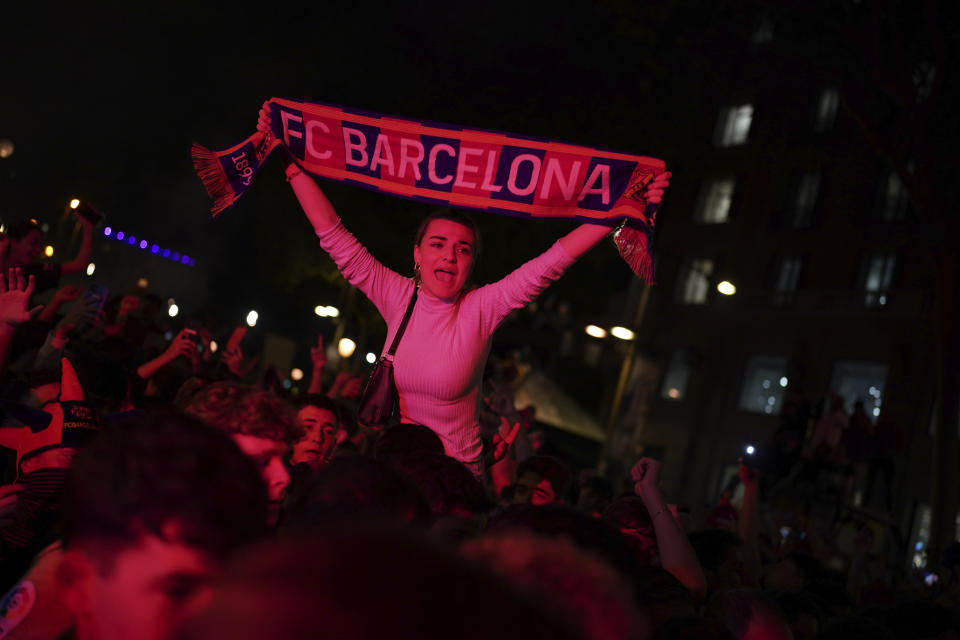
<point>676,554</point>
<point>319,211</point>
<point>82,258</point>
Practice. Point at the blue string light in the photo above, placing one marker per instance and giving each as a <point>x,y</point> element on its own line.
<point>154,248</point>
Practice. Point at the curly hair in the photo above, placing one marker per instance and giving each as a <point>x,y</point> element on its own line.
<point>240,408</point>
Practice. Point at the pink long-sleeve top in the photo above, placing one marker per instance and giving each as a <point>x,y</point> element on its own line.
<point>439,363</point>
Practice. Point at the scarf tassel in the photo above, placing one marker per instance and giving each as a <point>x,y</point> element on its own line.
<point>207,166</point>
<point>633,243</point>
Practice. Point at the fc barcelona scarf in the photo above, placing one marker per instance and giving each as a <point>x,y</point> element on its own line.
<point>447,165</point>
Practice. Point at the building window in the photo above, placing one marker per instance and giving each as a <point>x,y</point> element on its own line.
<point>714,202</point>
<point>876,275</point>
<point>860,381</point>
<point>763,384</point>
<point>826,110</point>
<point>694,281</point>
<point>805,201</point>
<point>733,125</point>
<point>786,277</point>
<point>677,375</point>
<point>920,536</point>
<point>763,31</point>
<point>894,199</point>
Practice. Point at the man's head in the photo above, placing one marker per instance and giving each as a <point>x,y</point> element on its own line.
<point>26,242</point>
<point>719,554</point>
<point>151,507</point>
<point>317,416</point>
<point>258,421</point>
<point>541,480</point>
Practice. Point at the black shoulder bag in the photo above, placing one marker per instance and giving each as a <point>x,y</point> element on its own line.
<point>378,400</point>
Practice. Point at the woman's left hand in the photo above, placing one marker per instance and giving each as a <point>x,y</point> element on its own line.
<point>654,191</point>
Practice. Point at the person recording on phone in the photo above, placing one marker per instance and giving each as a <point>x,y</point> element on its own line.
<point>22,245</point>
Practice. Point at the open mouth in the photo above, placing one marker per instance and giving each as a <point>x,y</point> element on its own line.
<point>444,276</point>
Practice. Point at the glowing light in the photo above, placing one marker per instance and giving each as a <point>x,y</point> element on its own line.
<point>214,346</point>
<point>175,256</point>
<point>185,260</point>
<point>784,382</point>
<point>595,331</point>
<point>622,332</point>
<point>166,253</point>
<point>726,288</point>
<point>771,401</point>
<point>876,412</point>
<point>74,203</point>
<point>119,235</point>
<point>674,393</point>
<point>750,450</point>
<point>6,148</point>
<point>252,318</point>
<point>48,251</point>
<point>142,283</point>
<point>168,336</point>
<point>296,374</point>
<point>107,231</point>
<point>155,249</point>
<point>326,312</point>
<point>371,357</point>
<point>346,347</point>
<point>91,268</point>
<point>173,310</point>
<point>143,244</point>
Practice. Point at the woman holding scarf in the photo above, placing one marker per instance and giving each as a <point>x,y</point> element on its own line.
<point>439,363</point>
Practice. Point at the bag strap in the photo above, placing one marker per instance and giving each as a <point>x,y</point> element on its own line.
<point>403,323</point>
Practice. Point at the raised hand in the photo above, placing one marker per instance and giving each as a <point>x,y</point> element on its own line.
<point>84,311</point>
<point>184,345</point>
<point>646,475</point>
<point>503,440</point>
<point>318,355</point>
<point>654,191</point>
<point>263,120</point>
<point>15,292</point>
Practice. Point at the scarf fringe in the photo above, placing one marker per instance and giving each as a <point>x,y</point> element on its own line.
<point>208,168</point>
<point>633,243</point>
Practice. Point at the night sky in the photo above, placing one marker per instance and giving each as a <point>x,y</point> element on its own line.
<point>104,102</point>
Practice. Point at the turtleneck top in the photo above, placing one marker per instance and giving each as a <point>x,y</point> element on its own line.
<point>439,363</point>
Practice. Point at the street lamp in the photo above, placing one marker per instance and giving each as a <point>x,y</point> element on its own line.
<point>595,332</point>
<point>622,332</point>
<point>346,347</point>
<point>74,203</point>
<point>252,318</point>
<point>91,268</point>
<point>726,288</point>
<point>296,374</point>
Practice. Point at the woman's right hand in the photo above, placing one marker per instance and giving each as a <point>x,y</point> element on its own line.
<point>263,121</point>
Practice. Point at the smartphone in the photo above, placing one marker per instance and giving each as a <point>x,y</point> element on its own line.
<point>98,292</point>
<point>197,340</point>
<point>87,211</point>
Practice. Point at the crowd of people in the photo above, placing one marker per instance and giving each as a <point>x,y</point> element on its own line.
<point>154,488</point>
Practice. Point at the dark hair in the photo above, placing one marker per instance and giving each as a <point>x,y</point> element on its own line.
<point>555,471</point>
<point>21,228</point>
<point>449,487</point>
<point>355,487</point>
<point>240,408</point>
<point>355,583</point>
<point>453,215</point>
<point>319,401</point>
<point>587,533</point>
<point>693,628</point>
<point>161,469</point>
<point>405,439</point>
<point>711,544</point>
